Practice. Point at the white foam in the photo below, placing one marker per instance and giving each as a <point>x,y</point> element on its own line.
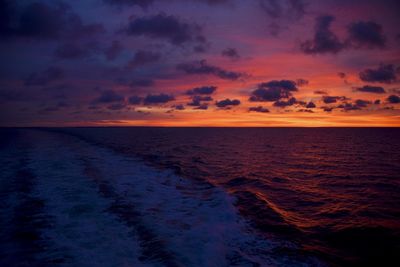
<point>197,225</point>
<point>82,233</point>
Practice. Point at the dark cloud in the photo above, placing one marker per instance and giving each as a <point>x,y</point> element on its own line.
<point>201,67</point>
<point>204,90</point>
<point>324,41</point>
<point>45,77</point>
<point>260,109</point>
<point>142,57</point>
<point>116,106</point>
<point>141,3</point>
<point>203,106</point>
<point>383,74</point>
<point>135,100</point>
<point>194,103</point>
<point>7,11</point>
<point>158,99</point>
<point>41,21</point>
<point>342,75</point>
<point>302,82</point>
<point>357,105</point>
<point>283,103</point>
<point>311,105</point>
<point>231,53</point>
<point>348,107</point>
<point>72,51</point>
<point>12,95</point>
<point>320,92</point>
<point>361,34</point>
<point>166,27</point>
<point>377,102</point>
<point>362,103</point>
<point>141,82</point>
<point>227,102</point>
<point>214,2</point>
<point>292,9</point>
<point>198,99</point>
<point>366,34</point>
<point>371,89</point>
<point>282,13</point>
<point>393,99</point>
<point>305,110</point>
<point>332,99</point>
<point>328,109</point>
<point>109,96</point>
<point>147,3</point>
<point>201,48</point>
<point>273,91</point>
<point>179,107</point>
<point>113,50</point>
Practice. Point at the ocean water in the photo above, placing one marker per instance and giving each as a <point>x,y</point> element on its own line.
<point>200,197</point>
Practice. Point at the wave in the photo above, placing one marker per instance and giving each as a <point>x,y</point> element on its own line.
<point>107,209</point>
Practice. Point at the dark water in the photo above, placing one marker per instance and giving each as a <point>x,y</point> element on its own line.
<point>328,196</point>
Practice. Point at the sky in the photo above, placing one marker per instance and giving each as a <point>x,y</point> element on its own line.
<point>200,63</point>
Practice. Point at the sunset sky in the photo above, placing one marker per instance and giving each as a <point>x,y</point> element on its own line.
<point>200,63</point>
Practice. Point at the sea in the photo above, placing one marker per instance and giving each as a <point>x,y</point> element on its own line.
<point>149,196</point>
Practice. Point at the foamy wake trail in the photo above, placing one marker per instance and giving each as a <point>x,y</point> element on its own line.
<point>107,209</point>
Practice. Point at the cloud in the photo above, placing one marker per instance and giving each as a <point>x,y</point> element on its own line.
<point>366,34</point>
<point>361,34</point>
<point>332,99</point>
<point>141,82</point>
<point>383,74</point>
<point>71,51</point>
<point>324,41</point>
<point>116,106</point>
<point>311,105</point>
<point>113,51</point>
<point>357,105</point>
<point>231,53</point>
<point>362,103</point>
<point>227,102</point>
<point>302,82</point>
<point>305,110</point>
<point>273,91</point>
<point>282,13</point>
<point>203,106</point>
<point>147,3</point>
<point>342,75</point>
<point>179,107</point>
<point>283,103</point>
<point>328,109</point>
<point>43,21</point>
<point>292,9</point>
<point>204,90</point>
<point>201,67</point>
<point>142,57</point>
<point>371,89</point>
<point>151,99</point>
<point>214,2</point>
<point>45,77</point>
<point>197,100</point>
<point>166,27</point>
<point>141,3</point>
<point>13,95</point>
<point>260,109</point>
<point>135,100</point>
<point>109,96</point>
<point>393,99</point>
<point>320,92</point>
